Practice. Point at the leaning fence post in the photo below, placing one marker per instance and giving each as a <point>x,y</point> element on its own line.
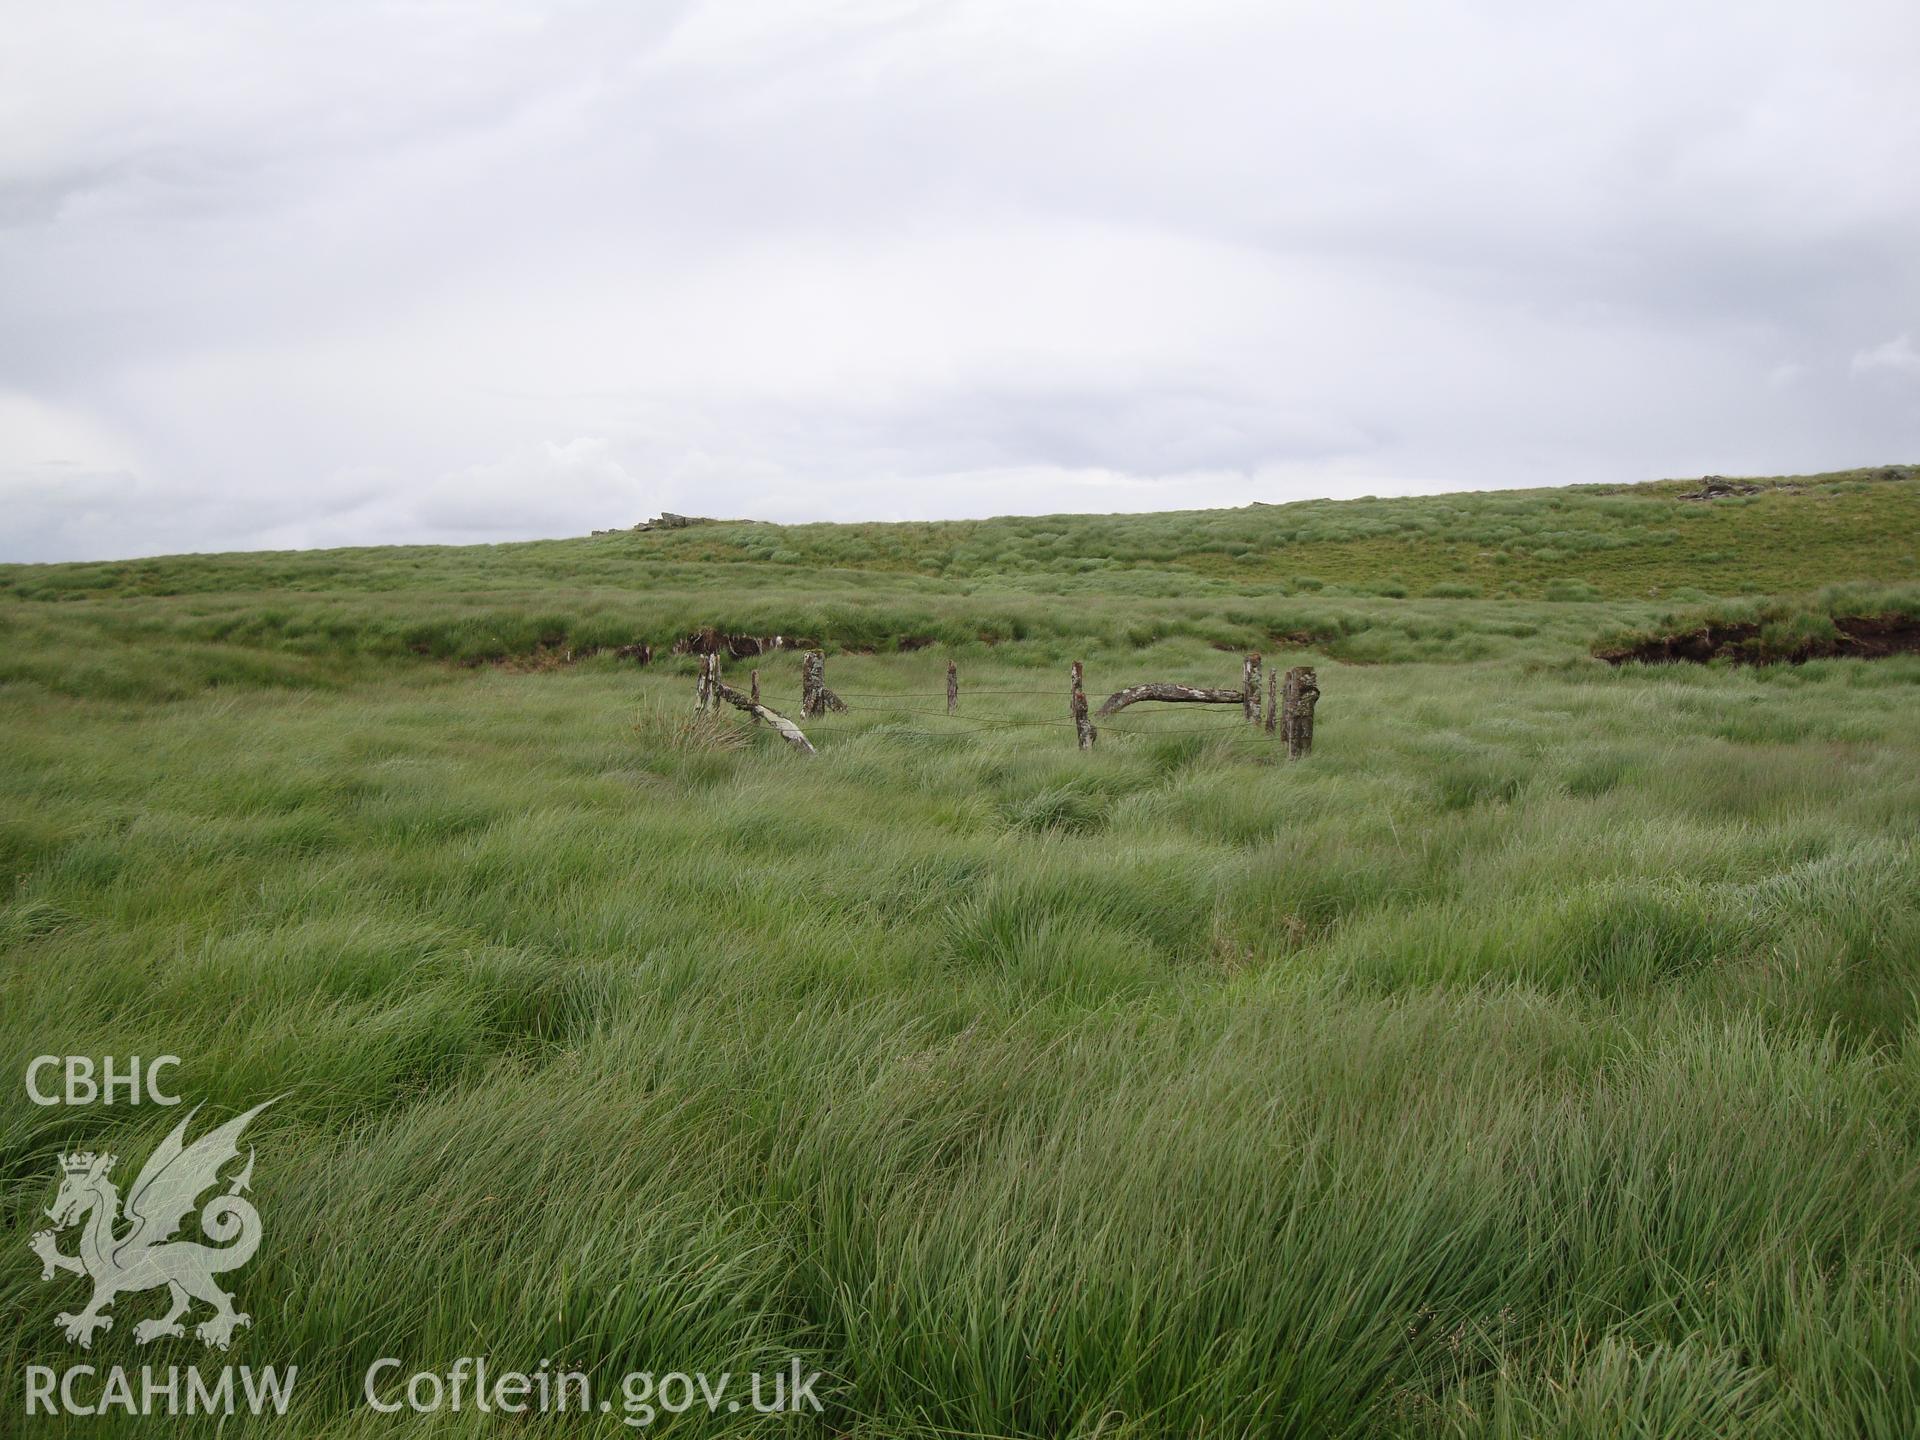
<point>1302,693</point>
<point>1077,706</point>
<point>1273,697</point>
<point>953,688</point>
<point>753,691</point>
<point>1250,689</point>
<point>784,727</point>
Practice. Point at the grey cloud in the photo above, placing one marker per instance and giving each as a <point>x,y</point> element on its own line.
<point>360,273</point>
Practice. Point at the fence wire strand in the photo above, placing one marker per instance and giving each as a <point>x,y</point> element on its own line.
<point>973,724</point>
<point>930,694</point>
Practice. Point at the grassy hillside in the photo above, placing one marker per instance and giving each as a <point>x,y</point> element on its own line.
<point>1537,1058</point>
<point>1620,542</point>
<point>1365,580</point>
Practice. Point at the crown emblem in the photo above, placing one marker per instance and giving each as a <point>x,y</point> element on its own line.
<point>81,1161</point>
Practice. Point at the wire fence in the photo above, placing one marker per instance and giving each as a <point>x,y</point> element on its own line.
<point>884,711</point>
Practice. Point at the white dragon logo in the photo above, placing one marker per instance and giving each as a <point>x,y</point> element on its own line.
<point>145,1255</point>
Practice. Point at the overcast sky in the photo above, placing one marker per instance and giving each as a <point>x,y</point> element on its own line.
<point>278,275</point>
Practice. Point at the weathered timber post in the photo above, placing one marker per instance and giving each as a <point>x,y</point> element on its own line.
<point>787,730</point>
<point>703,686</point>
<point>1297,722</point>
<point>713,681</point>
<point>1273,698</point>
<point>1077,706</point>
<point>1156,690</point>
<point>953,688</point>
<point>1250,689</point>
<point>815,697</point>
<point>753,691</point>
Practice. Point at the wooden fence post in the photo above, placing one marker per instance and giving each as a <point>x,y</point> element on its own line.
<point>753,691</point>
<point>1273,698</point>
<point>1250,689</point>
<point>815,697</point>
<point>1303,691</point>
<point>953,688</point>
<point>703,685</point>
<point>1077,706</point>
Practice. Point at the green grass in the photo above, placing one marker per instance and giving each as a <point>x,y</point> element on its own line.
<point>1539,1058</point>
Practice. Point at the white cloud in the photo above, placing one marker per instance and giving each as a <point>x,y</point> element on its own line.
<point>1896,356</point>
<point>36,435</point>
<point>559,487</point>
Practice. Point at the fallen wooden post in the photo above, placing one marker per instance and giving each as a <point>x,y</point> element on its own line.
<point>953,688</point>
<point>1302,693</point>
<point>1188,694</point>
<point>1250,689</point>
<point>815,697</point>
<point>788,731</point>
<point>1077,707</point>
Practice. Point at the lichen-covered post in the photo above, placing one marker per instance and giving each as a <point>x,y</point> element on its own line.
<point>1302,692</point>
<point>953,688</point>
<point>1250,689</point>
<point>753,691</point>
<point>703,684</point>
<point>1077,706</point>
<point>713,681</point>
<point>815,697</point>
<point>1273,698</point>
<point>810,667</point>
<point>1160,690</point>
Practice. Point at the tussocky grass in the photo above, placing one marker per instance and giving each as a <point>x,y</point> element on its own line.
<point>1539,1058</point>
